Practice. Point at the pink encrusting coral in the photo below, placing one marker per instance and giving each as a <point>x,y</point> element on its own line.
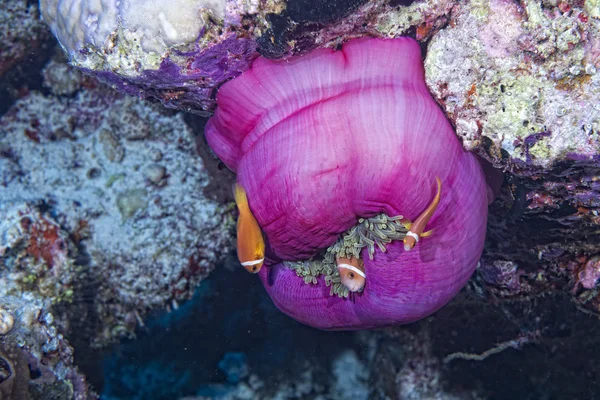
<point>324,139</point>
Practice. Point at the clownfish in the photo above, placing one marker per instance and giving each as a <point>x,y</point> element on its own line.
<point>352,273</point>
<point>250,242</point>
<point>415,229</point>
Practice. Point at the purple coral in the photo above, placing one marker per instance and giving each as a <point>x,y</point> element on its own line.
<point>322,140</point>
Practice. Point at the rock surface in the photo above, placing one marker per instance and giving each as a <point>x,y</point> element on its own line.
<point>104,217</point>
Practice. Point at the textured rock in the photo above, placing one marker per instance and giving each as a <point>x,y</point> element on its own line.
<point>61,79</point>
<point>178,57</point>
<point>154,25</point>
<point>528,87</point>
<point>35,359</point>
<point>522,81</point>
<point>103,194</point>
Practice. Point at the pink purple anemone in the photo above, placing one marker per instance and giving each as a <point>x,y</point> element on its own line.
<point>323,140</point>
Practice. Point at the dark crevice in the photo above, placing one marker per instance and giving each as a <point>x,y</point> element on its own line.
<point>230,312</point>
<point>301,19</point>
<point>221,178</point>
<point>402,3</point>
<point>320,11</point>
<point>26,75</point>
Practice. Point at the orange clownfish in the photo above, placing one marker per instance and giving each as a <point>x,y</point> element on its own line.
<point>250,242</point>
<point>415,229</point>
<point>352,273</point>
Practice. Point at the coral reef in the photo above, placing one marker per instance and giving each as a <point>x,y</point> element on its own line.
<point>102,201</point>
<point>518,81</point>
<point>182,61</point>
<point>179,57</point>
<point>543,235</point>
<point>523,77</point>
<point>35,359</point>
<point>506,87</point>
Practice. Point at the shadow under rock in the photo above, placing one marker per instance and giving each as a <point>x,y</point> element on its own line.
<point>178,353</point>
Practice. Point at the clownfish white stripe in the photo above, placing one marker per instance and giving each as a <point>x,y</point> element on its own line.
<point>413,235</point>
<point>251,263</point>
<point>352,268</point>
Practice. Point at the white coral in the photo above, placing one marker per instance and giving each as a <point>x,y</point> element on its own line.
<point>135,27</point>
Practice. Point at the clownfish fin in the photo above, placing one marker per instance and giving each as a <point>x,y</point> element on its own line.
<point>428,233</point>
<point>239,193</point>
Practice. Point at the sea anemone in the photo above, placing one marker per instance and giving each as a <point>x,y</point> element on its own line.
<point>350,140</point>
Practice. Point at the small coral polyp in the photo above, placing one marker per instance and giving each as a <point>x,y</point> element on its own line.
<point>331,143</point>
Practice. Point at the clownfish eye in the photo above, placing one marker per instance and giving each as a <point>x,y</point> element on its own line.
<point>254,268</point>
<point>351,275</point>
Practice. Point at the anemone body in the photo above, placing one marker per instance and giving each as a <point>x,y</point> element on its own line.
<point>323,139</point>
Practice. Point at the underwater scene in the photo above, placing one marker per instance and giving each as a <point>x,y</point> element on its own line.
<point>299,199</point>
